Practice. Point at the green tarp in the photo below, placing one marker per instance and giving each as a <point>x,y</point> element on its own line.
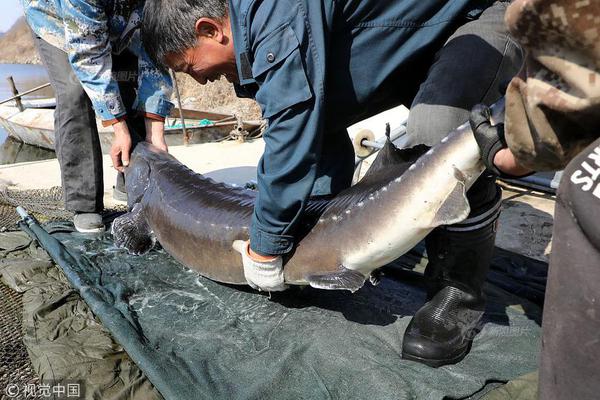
<point>65,342</point>
<point>194,338</point>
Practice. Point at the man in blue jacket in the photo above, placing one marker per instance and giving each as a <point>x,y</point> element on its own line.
<point>316,67</point>
<point>96,62</point>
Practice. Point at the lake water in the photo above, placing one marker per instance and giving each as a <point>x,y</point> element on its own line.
<point>26,77</point>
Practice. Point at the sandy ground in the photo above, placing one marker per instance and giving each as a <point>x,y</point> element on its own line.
<point>17,46</point>
<point>229,162</point>
<point>217,97</point>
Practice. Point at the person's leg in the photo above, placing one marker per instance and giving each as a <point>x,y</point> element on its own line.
<point>77,142</point>
<point>474,66</point>
<point>570,356</point>
<point>471,68</point>
<point>125,70</point>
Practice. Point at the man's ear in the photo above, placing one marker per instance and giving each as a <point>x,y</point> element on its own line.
<point>210,28</point>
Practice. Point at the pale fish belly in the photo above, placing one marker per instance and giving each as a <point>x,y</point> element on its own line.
<point>385,247</point>
<point>408,223</point>
<point>425,188</point>
<point>466,157</point>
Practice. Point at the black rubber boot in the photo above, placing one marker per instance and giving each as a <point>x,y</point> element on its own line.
<point>441,331</point>
<point>119,190</point>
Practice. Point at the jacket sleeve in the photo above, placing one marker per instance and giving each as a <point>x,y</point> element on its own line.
<point>89,50</point>
<point>155,86</point>
<point>290,80</point>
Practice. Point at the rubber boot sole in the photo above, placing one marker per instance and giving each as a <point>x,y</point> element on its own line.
<point>95,230</point>
<point>436,363</point>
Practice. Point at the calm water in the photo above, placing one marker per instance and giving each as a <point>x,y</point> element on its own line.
<point>26,77</point>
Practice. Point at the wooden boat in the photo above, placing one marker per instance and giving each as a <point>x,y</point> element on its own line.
<point>35,126</point>
<point>13,152</point>
<point>49,102</point>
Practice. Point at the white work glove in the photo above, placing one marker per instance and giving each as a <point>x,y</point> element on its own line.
<point>266,276</point>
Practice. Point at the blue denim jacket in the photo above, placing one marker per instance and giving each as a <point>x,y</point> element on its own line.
<point>316,67</point>
<point>90,31</point>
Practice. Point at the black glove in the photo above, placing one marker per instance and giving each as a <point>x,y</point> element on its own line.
<point>489,138</point>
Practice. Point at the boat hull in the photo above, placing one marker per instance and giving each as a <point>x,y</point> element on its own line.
<point>36,127</point>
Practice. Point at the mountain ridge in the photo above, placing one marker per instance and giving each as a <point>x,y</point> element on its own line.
<point>17,46</point>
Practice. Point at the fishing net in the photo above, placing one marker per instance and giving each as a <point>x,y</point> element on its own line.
<point>15,365</point>
<point>49,337</point>
<point>45,204</point>
<point>194,338</point>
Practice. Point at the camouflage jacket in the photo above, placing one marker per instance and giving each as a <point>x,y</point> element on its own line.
<point>90,31</point>
<point>553,107</point>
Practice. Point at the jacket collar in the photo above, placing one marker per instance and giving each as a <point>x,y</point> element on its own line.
<point>238,10</point>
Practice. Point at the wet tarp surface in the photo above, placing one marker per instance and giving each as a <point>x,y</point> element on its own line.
<point>197,339</point>
<point>64,341</point>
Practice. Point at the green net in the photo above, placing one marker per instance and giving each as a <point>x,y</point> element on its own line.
<point>15,366</point>
<point>45,204</point>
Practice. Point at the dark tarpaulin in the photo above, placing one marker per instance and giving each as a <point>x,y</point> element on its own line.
<point>61,339</point>
<point>195,338</point>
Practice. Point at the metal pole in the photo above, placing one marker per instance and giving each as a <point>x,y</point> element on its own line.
<point>374,145</point>
<point>22,213</point>
<point>25,93</point>
<point>15,92</point>
<point>186,137</point>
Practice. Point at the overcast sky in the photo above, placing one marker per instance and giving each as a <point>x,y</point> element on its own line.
<point>11,11</point>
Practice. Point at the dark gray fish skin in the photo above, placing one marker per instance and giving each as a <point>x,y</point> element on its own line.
<point>405,195</point>
<point>197,219</point>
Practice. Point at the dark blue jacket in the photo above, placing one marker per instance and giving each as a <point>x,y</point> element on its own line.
<point>315,67</point>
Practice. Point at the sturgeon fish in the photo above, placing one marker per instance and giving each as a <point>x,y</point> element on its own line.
<point>403,197</point>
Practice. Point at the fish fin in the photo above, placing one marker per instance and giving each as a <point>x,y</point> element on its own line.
<point>375,277</point>
<point>343,279</point>
<point>454,209</point>
<point>130,231</point>
<point>390,163</point>
<point>392,159</point>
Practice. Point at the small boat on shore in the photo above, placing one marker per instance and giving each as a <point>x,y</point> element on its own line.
<point>48,102</point>
<point>35,126</point>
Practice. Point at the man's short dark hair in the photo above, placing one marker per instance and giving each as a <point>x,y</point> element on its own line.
<point>169,26</point>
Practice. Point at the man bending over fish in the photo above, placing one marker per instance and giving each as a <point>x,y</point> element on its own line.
<point>317,67</point>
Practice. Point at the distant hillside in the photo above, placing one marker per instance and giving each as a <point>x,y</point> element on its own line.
<point>16,45</point>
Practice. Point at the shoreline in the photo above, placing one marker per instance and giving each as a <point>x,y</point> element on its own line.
<point>26,62</point>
